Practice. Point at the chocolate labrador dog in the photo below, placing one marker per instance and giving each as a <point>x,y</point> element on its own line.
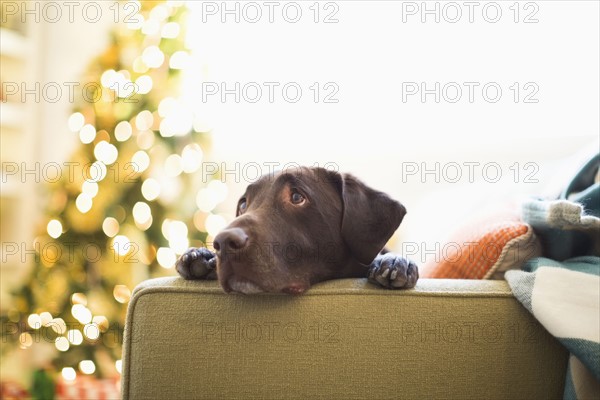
<point>301,226</point>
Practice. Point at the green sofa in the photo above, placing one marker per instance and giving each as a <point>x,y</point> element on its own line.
<point>344,339</point>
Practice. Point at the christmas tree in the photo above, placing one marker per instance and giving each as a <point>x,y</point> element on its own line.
<point>132,198</point>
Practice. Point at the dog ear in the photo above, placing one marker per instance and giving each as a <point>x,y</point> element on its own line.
<point>369,219</point>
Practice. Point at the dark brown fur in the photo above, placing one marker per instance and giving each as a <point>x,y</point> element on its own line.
<point>277,244</point>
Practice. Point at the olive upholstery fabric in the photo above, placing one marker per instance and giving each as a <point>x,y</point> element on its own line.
<point>343,339</point>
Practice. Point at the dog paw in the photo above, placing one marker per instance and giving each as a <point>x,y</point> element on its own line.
<point>196,263</point>
<point>393,272</point>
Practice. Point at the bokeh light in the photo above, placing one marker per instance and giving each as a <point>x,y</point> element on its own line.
<point>170,30</point>
<point>76,122</point>
<point>83,202</point>
<point>166,257</point>
<point>123,131</point>
<point>110,226</point>
<point>91,331</point>
<point>68,374</point>
<point>214,224</point>
<point>79,298</point>
<point>191,158</point>
<point>173,165</point>
<point>153,57</point>
<point>140,160</point>
<point>25,340</point>
<point>87,367</point>
<point>106,152</point>
<point>121,293</point>
<point>81,313</point>
<point>143,84</point>
<point>144,120</point>
<point>54,228</point>
<point>75,337</point>
<point>90,188</point>
<point>150,189</point>
<point>179,60</point>
<point>34,321</point>
<point>61,343</point>
<point>87,134</point>
<point>121,245</point>
<point>141,212</point>
<point>97,171</point>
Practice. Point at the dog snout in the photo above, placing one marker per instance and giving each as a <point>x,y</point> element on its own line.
<point>230,240</point>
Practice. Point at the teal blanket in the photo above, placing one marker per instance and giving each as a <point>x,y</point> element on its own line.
<point>565,298</point>
<point>562,290</point>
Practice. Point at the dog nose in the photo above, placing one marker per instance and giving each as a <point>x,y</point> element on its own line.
<point>230,240</point>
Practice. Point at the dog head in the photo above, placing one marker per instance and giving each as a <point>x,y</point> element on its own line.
<point>300,226</point>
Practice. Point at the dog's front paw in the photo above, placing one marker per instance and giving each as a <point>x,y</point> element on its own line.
<point>393,272</point>
<point>197,263</point>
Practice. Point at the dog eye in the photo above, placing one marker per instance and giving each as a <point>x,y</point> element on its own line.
<point>297,198</point>
<point>242,205</point>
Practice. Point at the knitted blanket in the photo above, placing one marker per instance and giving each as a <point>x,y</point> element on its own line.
<point>564,296</point>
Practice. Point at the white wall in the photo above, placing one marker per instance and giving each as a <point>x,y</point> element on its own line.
<point>372,132</point>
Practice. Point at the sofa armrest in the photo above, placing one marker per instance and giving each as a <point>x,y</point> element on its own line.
<point>343,339</point>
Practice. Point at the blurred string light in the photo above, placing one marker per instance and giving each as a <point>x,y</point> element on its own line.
<point>75,337</point>
<point>110,226</point>
<point>79,298</point>
<point>141,161</point>
<point>142,212</point>
<point>173,165</point>
<point>121,293</point>
<point>101,321</point>
<point>87,367</point>
<point>143,84</point>
<point>121,245</point>
<point>214,224</point>
<point>159,13</point>
<point>179,60</point>
<point>45,318</point>
<point>214,193</point>
<point>150,189</point>
<point>68,374</point>
<point>34,321</point>
<point>76,122</point>
<point>97,171</point>
<point>58,325</point>
<point>176,232</point>
<point>175,117</point>
<point>170,30</point>
<point>81,313</point>
<point>142,215</point>
<point>90,188</point>
<point>83,202</point>
<point>91,331</point>
<point>87,134</point>
<point>25,340</point>
<point>145,140</point>
<point>166,257</point>
<point>144,120</point>
<point>191,158</point>
<point>150,27</point>
<point>54,228</point>
<point>153,57</point>
<point>61,343</point>
<point>139,66</point>
<point>106,152</point>
<point>119,82</point>
<point>123,131</point>
<point>178,118</point>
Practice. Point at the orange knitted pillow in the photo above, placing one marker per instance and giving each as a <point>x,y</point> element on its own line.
<point>485,252</point>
